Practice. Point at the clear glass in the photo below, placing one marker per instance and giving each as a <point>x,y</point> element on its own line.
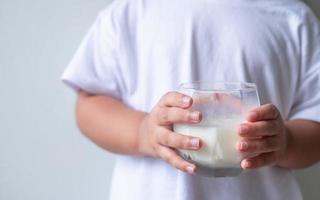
<point>224,106</point>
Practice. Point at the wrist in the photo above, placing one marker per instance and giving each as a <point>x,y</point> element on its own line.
<point>284,160</point>
<point>144,148</point>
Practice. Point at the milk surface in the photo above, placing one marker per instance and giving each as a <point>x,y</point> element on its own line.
<point>219,141</point>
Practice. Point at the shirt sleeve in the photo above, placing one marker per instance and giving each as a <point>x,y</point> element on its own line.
<point>307,96</point>
<point>94,65</point>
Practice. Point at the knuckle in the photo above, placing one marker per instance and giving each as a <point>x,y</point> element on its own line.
<point>164,138</point>
<point>272,126</point>
<point>167,94</point>
<point>171,140</point>
<point>273,110</point>
<point>186,115</point>
<point>162,100</point>
<point>279,144</point>
<point>274,144</point>
<point>266,128</point>
<point>175,163</point>
<point>181,167</point>
<point>175,112</point>
<point>272,129</point>
<point>171,160</point>
<point>163,155</point>
<point>156,149</point>
<point>161,136</point>
<point>272,158</point>
<point>157,132</point>
<point>180,113</point>
<point>263,160</point>
<point>267,159</point>
<point>165,98</point>
<point>166,158</point>
<point>260,161</point>
<point>253,128</point>
<point>185,141</point>
<point>253,146</point>
<point>265,124</point>
<point>158,139</point>
<point>172,95</point>
<point>267,144</point>
<point>153,115</point>
<point>269,106</point>
<point>280,127</point>
<point>163,115</point>
<point>178,166</point>
<point>182,141</point>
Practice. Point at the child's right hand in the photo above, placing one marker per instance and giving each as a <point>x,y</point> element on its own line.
<point>156,136</point>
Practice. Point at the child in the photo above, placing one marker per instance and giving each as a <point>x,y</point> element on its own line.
<point>138,51</point>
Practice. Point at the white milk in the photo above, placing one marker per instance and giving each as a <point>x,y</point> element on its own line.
<point>218,143</point>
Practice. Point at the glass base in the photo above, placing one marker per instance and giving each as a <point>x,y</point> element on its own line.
<point>203,170</point>
<point>218,172</point>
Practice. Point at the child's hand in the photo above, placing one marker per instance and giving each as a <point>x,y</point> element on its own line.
<point>263,138</point>
<point>156,137</point>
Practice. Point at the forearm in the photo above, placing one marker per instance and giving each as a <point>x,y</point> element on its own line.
<point>303,144</point>
<point>109,123</point>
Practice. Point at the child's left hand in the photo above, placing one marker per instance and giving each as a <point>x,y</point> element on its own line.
<point>263,137</point>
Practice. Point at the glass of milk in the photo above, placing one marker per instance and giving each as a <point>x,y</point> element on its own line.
<point>224,106</point>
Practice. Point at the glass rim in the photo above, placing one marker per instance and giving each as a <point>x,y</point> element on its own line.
<point>213,86</point>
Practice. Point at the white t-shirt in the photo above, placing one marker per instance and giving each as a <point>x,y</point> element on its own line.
<point>137,50</point>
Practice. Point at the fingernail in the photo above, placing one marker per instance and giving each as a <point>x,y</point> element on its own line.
<point>246,164</point>
<point>253,115</point>
<point>190,169</point>
<point>185,100</point>
<point>243,146</point>
<point>243,129</point>
<point>194,142</point>
<point>195,115</point>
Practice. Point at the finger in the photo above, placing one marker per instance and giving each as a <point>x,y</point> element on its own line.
<point>171,139</point>
<point>265,112</point>
<point>227,100</point>
<point>259,161</point>
<point>170,115</point>
<point>171,157</point>
<point>264,145</point>
<point>175,99</point>
<point>230,101</point>
<point>258,129</point>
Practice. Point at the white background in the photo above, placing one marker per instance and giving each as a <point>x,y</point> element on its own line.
<point>42,154</point>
